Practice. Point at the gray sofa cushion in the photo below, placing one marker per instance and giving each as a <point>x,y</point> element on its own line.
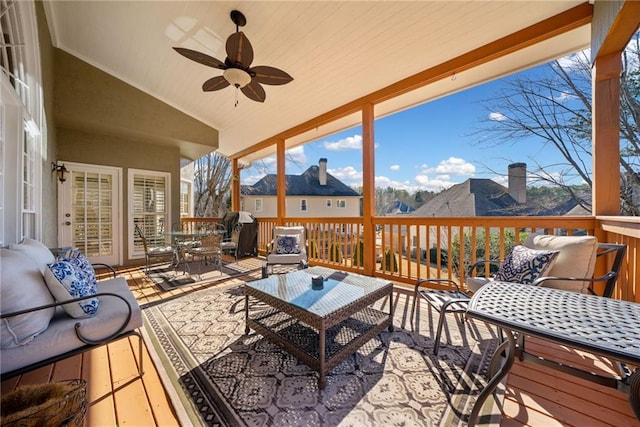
<point>21,287</point>
<point>60,337</point>
<point>36,251</point>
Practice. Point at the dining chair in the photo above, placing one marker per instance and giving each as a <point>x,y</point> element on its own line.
<point>154,252</point>
<point>208,249</point>
<point>230,245</point>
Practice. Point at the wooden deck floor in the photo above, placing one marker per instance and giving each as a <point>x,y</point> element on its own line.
<point>535,395</point>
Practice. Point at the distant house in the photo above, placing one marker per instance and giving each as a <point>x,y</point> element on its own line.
<point>396,208</point>
<point>485,197</point>
<point>314,193</point>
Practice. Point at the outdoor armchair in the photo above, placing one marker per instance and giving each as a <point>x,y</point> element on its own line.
<point>571,268</point>
<point>288,247</point>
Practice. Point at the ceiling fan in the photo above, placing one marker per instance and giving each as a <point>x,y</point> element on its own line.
<point>237,66</point>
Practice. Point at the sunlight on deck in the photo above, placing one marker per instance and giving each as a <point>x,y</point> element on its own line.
<point>535,395</point>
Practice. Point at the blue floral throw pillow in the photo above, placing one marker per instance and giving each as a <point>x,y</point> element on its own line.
<point>524,265</point>
<point>286,244</point>
<point>66,280</point>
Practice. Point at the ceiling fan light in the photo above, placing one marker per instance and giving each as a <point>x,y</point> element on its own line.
<point>237,77</point>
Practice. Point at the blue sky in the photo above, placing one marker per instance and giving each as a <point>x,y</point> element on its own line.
<point>428,147</point>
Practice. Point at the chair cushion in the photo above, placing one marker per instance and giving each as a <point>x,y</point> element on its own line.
<point>524,265</point>
<point>60,337</point>
<point>288,244</point>
<point>67,280</point>
<point>35,250</point>
<point>577,258</point>
<point>473,284</point>
<point>21,287</point>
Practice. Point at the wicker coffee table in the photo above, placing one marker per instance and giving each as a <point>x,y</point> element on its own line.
<point>321,328</point>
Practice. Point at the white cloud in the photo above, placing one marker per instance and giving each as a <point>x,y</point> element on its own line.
<point>296,155</point>
<point>497,117</point>
<point>251,179</point>
<point>349,143</point>
<point>502,180</point>
<point>574,61</point>
<point>451,166</point>
<point>394,167</point>
<point>349,175</point>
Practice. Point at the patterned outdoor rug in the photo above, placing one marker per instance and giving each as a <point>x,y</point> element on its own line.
<point>224,377</point>
<point>195,273</point>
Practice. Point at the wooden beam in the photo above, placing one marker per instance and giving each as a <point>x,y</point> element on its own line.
<point>235,185</point>
<point>281,183</point>
<point>544,30</point>
<point>606,134</point>
<point>624,26</point>
<point>368,188</point>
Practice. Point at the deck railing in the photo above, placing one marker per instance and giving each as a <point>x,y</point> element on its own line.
<point>408,248</point>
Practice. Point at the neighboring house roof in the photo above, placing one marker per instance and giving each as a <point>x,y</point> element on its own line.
<point>305,184</point>
<point>396,208</point>
<point>484,197</point>
<point>474,197</point>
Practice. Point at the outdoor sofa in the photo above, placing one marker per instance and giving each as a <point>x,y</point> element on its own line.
<point>37,328</point>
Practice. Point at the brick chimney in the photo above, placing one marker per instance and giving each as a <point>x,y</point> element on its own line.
<point>322,173</point>
<point>518,182</point>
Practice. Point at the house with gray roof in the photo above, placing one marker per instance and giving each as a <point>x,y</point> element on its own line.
<point>314,193</point>
<point>485,197</point>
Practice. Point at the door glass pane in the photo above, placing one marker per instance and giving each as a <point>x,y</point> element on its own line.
<point>150,208</point>
<point>92,197</point>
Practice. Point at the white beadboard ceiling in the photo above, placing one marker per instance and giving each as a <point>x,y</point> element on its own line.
<point>336,51</point>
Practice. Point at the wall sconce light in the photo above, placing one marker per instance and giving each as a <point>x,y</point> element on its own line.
<point>60,170</point>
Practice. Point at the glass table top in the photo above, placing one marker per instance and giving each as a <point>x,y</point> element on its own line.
<point>339,288</point>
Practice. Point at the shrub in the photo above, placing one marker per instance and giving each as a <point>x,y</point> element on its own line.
<point>313,250</point>
<point>390,261</point>
<point>335,252</point>
<point>357,260</point>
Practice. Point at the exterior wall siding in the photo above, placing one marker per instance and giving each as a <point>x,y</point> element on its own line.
<point>316,206</point>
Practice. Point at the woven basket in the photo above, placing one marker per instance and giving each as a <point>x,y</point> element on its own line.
<point>61,403</point>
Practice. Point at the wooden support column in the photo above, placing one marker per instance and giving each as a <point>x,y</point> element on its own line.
<point>606,134</point>
<point>368,189</point>
<point>281,183</point>
<point>235,185</point>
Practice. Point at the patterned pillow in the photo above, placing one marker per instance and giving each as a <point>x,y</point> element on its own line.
<point>288,244</point>
<point>524,265</point>
<point>83,264</point>
<point>66,280</point>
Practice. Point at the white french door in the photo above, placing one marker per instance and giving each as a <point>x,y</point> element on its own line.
<point>89,215</point>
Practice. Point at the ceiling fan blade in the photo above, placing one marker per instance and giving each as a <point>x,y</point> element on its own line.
<point>254,91</point>
<point>215,83</point>
<point>239,50</point>
<point>270,75</point>
<point>201,58</point>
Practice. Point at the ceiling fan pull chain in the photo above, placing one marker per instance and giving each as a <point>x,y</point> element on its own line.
<point>236,105</point>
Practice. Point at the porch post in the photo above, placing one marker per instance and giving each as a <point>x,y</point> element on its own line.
<point>281,184</point>
<point>606,134</point>
<point>235,185</point>
<point>613,25</point>
<point>368,189</point>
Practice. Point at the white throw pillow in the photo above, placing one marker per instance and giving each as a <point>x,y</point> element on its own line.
<point>37,251</point>
<point>21,287</point>
<point>67,281</point>
<point>577,258</point>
